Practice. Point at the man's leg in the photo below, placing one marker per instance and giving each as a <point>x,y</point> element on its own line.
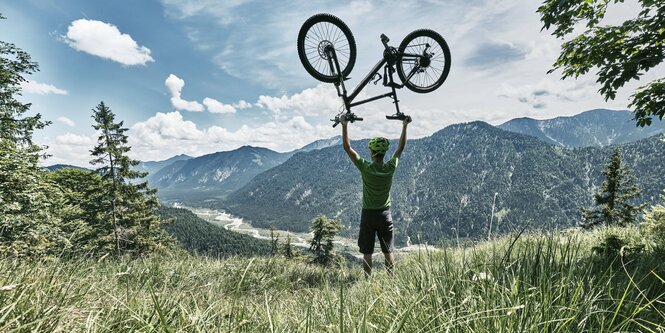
<point>367,264</point>
<point>387,241</point>
<point>366,237</point>
<point>390,262</point>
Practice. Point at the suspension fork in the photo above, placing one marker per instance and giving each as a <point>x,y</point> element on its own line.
<point>339,84</point>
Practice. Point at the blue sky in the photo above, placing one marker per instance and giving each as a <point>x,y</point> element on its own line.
<point>199,76</point>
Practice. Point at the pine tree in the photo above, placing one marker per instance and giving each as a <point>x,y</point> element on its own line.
<point>288,247</point>
<point>33,218</point>
<point>274,241</point>
<point>324,231</point>
<point>130,206</point>
<point>14,127</point>
<point>613,202</point>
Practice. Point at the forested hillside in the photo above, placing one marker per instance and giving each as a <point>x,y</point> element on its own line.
<point>445,184</point>
<point>201,237</point>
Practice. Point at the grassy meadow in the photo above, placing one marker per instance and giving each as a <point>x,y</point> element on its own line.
<point>525,283</point>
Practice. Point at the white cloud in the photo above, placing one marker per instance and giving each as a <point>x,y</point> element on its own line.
<point>214,106</point>
<point>174,85</point>
<point>34,87</point>
<point>66,121</point>
<point>168,134</point>
<point>165,126</point>
<point>223,11</point>
<point>319,100</point>
<point>71,149</point>
<point>106,41</point>
<point>242,104</point>
<point>71,139</point>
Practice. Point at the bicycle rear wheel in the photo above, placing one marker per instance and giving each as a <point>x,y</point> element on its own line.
<point>318,32</point>
<point>424,61</point>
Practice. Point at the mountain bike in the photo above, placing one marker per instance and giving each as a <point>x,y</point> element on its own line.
<point>327,50</point>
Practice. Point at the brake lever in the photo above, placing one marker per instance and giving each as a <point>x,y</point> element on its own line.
<point>349,116</point>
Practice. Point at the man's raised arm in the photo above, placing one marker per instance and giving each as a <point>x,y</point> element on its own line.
<point>402,138</point>
<point>353,155</point>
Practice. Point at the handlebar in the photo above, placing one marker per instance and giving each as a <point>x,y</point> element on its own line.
<point>350,117</point>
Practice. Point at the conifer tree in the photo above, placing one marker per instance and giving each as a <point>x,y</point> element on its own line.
<point>324,231</point>
<point>82,189</point>
<point>274,241</point>
<point>33,218</point>
<point>613,202</point>
<point>130,206</point>
<point>15,64</point>
<point>288,247</point>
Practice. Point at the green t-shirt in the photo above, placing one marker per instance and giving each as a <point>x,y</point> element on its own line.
<point>377,181</point>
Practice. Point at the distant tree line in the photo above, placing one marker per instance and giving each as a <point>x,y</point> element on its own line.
<point>201,237</point>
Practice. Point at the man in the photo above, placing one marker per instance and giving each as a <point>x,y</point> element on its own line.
<point>377,177</point>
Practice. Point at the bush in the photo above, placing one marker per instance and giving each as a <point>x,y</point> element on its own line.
<point>654,225</point>
<point>617,241</point>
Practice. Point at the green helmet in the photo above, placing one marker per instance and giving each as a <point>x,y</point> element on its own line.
<point>379,145</point>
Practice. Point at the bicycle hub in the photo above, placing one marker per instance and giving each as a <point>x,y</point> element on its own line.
<point>325,46</point>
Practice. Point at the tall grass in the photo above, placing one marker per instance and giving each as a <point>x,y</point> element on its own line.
<point>526,283</point>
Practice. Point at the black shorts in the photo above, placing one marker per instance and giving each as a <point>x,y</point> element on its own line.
<point>373,223</point>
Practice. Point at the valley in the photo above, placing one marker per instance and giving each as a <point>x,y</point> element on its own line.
<point>299,239</point>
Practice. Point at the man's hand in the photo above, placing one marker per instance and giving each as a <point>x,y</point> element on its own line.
<point>346,143</point>
<point>343,120</point>
<point>402,138</point>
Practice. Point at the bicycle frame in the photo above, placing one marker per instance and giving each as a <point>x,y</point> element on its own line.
<point>390,57</point>
<point>349,99</point>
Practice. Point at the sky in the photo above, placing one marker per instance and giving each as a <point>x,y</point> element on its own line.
<point>200,76</point>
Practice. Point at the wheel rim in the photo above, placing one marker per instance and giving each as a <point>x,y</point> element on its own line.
<point>320,36</point>
<point>429,67</point>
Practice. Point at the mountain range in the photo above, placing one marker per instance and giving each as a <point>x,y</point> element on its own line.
<point>591,128</point>
<point>445,184</point>
<point>530,173</point>
<point>154,166</point>
<point>212,177</point>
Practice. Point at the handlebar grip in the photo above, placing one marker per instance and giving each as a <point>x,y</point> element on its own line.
<point>396,117</point>
<point>358,119</point>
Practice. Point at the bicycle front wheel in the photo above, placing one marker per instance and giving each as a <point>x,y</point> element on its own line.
<point>316,34</point>
<point>424,61</point>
